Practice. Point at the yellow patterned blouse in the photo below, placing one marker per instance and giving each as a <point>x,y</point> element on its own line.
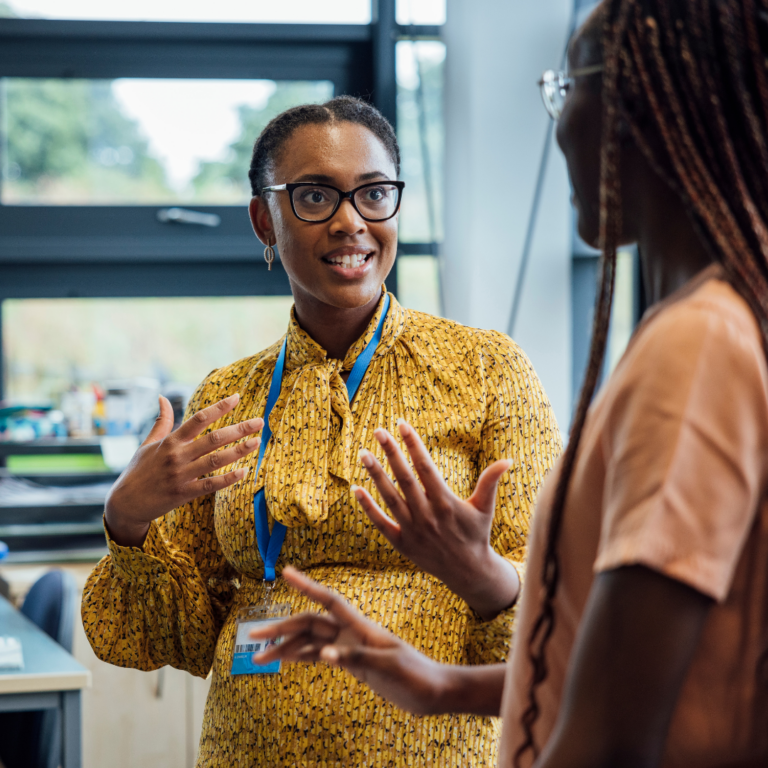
<point>474,397</point>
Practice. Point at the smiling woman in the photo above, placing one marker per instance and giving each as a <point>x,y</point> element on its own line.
<point>202,522</point>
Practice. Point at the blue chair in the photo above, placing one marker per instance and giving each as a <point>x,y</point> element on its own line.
<point>33,739</point>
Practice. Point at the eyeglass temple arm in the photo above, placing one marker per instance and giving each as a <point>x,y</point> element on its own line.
<point>592,70</point>
<point>276,188</point>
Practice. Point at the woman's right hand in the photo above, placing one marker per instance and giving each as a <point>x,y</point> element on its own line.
<point>172,468</point>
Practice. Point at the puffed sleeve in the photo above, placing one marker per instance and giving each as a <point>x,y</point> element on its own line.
<point>520,425</point>
<point>164,603</point>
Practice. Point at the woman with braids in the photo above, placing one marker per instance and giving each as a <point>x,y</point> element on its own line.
<point>642,635</point>
<point>201,523</point>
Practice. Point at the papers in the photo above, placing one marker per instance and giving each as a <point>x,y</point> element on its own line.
<point>10,653</point>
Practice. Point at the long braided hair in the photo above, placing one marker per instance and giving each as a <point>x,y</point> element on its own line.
<point>688,81</point>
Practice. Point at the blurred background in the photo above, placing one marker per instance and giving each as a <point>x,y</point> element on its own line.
<point>131,141</point>
<point>128,266</point>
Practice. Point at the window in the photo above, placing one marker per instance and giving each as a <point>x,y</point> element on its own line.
<point>52,345</point>
<point>294,11</point>
<point>137,141</point>
<point>105,124</point>
<point>420,75</point>
<point>421,11</point>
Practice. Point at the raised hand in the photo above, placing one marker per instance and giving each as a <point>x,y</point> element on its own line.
<point>444,535</point>
<point>343,637</point>
<point>170,468</point>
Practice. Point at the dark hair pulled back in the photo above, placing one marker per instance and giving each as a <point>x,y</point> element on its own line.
<point>688,79</point>
<point>347,109</point>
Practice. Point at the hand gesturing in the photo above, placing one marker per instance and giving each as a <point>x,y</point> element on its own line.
<point>171,468</point>
<point>444,535</point>
<point>343,637</point>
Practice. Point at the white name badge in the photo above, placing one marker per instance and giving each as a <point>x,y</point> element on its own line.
<point>249,619</point>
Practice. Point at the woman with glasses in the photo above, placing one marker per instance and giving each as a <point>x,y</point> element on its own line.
<point>204,520</point>
<point>642,634</point>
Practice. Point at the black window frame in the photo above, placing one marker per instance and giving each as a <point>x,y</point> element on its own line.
<point>125,251</point>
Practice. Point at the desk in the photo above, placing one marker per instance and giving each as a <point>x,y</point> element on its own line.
<point>51,679</point>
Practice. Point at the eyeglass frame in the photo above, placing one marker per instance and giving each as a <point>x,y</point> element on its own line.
<point>565,78</point>
<point>290,187</point>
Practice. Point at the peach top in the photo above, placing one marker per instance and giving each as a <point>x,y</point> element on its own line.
<point>671,474</point>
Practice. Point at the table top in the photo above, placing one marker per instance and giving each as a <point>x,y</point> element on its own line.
<point>47,666</point>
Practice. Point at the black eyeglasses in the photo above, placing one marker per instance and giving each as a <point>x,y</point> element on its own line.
<point>377,201</point>
<point>554,87</point>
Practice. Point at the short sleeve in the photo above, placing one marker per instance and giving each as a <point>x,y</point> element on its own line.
<point>685,446</point>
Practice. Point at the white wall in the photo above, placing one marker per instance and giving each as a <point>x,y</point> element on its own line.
<point>495,130</point>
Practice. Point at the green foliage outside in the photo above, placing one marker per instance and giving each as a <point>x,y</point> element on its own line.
<point>67,141</point>
<point>223,178</point>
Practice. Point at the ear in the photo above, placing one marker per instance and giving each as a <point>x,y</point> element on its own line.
<point>261,220</point>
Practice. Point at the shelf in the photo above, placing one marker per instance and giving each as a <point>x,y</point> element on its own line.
<point>47,516</point>
<point>40,514</point>
<point>50,446</point>
<point>78,555</point>
<point>51,529</point>
<point>61,478</point>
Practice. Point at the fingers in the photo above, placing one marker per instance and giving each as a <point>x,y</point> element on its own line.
<point>359,658</point>
<point>208,485</point>
<point>221,437</point>
<point>347,618</point>
<point>317,593</point>
<point>299,633</point>
<point>390,494</point>
<point>214,461</point>
<point>483,497</point>
<point>384,525</point>
<point>409,485</point>
<point>163,423</point>
<point>316,625</point>
<point>294,649</point>
<point>193,426</point>
<point>433,482</point>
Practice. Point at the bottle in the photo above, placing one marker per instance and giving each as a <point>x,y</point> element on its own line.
<point>99,414</point>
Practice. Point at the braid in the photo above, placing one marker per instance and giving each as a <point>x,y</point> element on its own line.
<point>346,109</point>
<point>610,226</point>
<point>688,79</point>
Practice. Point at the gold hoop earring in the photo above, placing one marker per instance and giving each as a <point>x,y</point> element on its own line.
<point>269,257</point>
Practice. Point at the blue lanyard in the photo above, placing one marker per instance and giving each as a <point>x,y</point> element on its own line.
<point>270,544</point>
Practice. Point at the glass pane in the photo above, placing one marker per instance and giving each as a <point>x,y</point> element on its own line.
<point>421,11</point>
<point>296,11</point>
<point>420,131</point>
<point>623,310</point>
<point>418,283</point>
<point>55,345</point>
<point>137,141</point>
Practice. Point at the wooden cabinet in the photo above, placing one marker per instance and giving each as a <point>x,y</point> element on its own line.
<point>130,718</point>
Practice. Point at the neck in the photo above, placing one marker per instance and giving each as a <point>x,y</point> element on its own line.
<point>671,252</point>
<point>334,329</point>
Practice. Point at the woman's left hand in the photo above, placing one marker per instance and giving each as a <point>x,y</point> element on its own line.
<point>345,638</point>
<point>444,535</point>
